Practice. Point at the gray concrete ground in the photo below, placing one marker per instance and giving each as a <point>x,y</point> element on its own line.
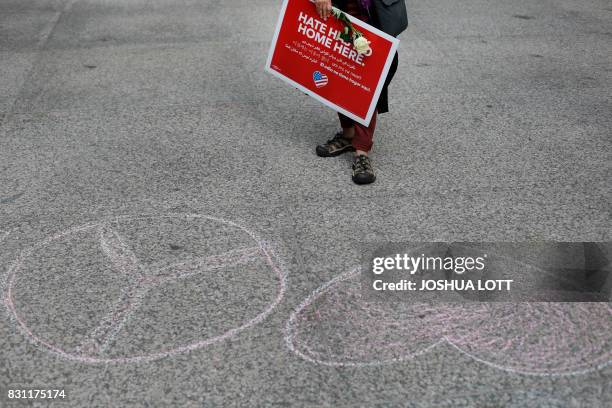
<point>500,130</point>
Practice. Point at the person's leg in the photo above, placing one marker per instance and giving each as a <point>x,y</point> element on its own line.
<point>363,140</point>
<point>348,126</point>
<point>364,135</point>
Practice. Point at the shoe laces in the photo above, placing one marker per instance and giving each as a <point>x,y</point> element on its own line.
<point>362,163</point>
<point>337,141</point>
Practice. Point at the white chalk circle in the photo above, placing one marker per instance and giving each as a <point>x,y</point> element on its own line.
<point>140,288</point>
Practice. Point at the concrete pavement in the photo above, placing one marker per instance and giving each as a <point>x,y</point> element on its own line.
<point>141,139</point>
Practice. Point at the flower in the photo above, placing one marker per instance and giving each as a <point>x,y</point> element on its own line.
<point>362,45</point>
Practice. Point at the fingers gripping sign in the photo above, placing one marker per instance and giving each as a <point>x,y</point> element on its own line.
<point>324,8</point>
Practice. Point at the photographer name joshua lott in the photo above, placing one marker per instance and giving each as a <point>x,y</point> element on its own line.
<point>422,264</point>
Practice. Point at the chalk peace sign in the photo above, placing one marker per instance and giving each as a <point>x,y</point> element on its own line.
<point>139,288</point>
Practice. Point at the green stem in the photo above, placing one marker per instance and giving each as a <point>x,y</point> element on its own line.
<point>347,23</point>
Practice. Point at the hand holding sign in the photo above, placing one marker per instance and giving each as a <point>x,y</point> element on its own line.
<point>324,8</point>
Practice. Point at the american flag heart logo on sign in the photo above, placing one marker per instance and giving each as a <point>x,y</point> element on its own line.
<point>320,79</point>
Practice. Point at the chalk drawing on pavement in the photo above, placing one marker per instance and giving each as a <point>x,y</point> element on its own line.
<point>337,326</point>
<point>120,244</point>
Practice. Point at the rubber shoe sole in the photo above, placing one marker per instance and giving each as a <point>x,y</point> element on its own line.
<point>364,178</point>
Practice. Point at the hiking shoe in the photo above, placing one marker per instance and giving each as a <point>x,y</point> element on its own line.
<point>335,146</point>
<point>362,170</point>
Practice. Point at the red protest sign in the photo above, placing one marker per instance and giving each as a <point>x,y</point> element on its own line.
<point>307,54</point>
